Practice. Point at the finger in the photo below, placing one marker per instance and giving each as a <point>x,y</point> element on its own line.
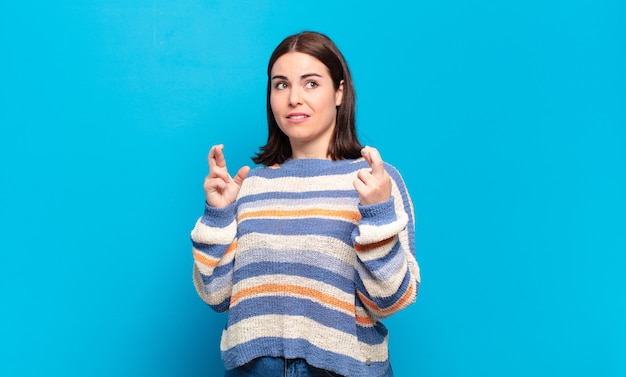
<point>365,176</point>
<point>214,184</point>
<point>211,158</point>
<point>372,156</point>
<point>220,161</point>
<point>241,175</point>
<point>219,156</point>
<point>221,186</point>
<point>366,155</point>
<point>217,163</point>
<point>216,157</point>
<point>359,186</point>
<point>219,173</point>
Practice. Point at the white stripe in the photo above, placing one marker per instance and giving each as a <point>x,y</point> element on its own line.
<point>369,234</point>
<point>298,327</point>
<point>296,249</point>
<point>212,235</point>
<point>337,182</point>
<point>341,204</point>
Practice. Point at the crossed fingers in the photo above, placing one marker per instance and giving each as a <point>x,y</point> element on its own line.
<point>373,185</point>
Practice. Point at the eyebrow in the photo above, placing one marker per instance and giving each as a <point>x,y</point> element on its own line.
<point>305,76</point>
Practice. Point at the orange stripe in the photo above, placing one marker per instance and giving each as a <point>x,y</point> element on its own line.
<point>364,321</point>
<point>232,247</point>
<point>203,259</point>
<point>370,246</point>
<point>348,215</point>
<point>209,261</point>
<point>390,310</point>
<point>407,295</point>
<point>367,301</point>
<point>292,289</point>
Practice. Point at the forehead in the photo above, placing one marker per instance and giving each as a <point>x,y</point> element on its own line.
<point>297,63</point>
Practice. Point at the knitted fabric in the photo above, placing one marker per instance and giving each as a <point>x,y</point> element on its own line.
<point>304,270</point>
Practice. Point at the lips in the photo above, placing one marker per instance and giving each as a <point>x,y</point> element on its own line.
<point>297,116</point>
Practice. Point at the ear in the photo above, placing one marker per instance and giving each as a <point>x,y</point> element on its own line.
<point>339,94</point>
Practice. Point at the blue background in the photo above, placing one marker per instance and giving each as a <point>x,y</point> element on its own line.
<point>506,118</point>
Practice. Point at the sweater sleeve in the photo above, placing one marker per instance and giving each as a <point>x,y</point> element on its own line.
<point>388,276</point>
<point>213,245</point>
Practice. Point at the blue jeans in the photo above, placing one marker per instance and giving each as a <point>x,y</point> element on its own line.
<point>278,367</point>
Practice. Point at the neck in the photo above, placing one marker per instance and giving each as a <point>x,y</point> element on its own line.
<point>321,156</point>
<point>310,151</point>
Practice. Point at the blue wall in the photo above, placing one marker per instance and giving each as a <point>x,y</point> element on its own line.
<point>507,119</point>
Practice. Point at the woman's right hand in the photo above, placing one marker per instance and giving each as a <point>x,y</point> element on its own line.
<point>220,189</point>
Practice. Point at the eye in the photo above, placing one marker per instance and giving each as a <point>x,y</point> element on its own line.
<point>311,85</point>
<point>280,85</point>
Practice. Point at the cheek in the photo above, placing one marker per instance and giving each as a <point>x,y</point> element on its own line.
<point>273,104</point>
<point>276,99</point>
<point>276,111</point>
<point>331,106</point>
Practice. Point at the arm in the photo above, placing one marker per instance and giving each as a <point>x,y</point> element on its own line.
<point>213,237</point>
<point>387,272</point>
<point>213,244</point>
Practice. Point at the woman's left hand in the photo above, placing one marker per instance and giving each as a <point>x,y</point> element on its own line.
<point>373,185</point>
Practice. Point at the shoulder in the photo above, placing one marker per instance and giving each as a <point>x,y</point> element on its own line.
<point>392,171</point>
<point>390,168</point>
<point>262,171</point>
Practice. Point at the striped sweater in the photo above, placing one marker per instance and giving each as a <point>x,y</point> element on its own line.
<point>304,270</point>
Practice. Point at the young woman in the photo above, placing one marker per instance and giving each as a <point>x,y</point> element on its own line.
<point>311,250</point>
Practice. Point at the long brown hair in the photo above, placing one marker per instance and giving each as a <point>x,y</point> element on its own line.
<point>344,143</point>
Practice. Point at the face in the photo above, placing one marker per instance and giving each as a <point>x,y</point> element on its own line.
<point>304,103</point>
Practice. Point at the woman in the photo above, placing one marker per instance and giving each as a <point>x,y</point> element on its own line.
<point>310,251</point>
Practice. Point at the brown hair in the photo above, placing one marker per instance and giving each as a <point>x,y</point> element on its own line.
<point>344,143</point>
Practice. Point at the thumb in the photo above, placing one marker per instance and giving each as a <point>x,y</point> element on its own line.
<point>241,175</point>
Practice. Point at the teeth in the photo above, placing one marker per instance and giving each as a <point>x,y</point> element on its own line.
<point>297,117</point>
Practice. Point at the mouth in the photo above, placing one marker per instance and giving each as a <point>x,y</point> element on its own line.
<point>297,116</point>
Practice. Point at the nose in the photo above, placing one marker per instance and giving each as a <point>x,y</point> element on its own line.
<point>295,97</point>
